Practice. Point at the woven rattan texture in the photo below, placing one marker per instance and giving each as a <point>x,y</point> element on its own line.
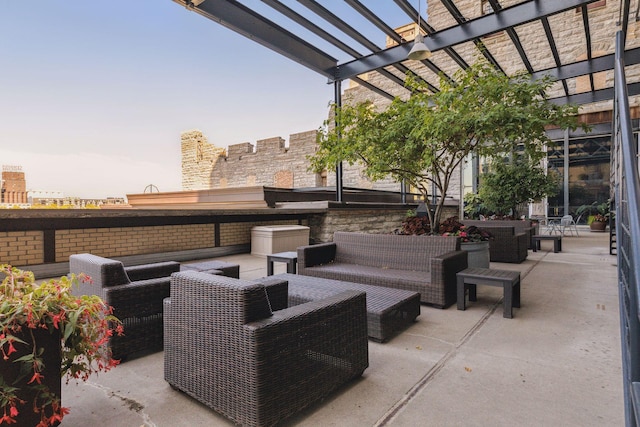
<point>389,310</point>
<point>137,304</point>
<point>423,264</point>
<point>256,368</point>
<point>527,227</point>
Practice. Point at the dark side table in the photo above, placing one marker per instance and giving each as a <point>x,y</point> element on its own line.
<point>291,258</point>
<point>508,280</point>
<point>557,242</point>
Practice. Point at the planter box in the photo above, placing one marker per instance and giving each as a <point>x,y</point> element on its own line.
<point>271,239</point>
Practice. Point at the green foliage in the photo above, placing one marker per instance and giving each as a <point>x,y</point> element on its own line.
<point>474,206</point>
<point>510,184</point>
<point>424,139</point>
<point>596,211</point>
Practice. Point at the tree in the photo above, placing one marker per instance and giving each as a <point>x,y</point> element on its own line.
<point>422,140</point>
<point>511,183</point>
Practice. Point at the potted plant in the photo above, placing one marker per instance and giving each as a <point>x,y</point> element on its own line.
<point>598,215</point>
<point>46,333</point>
<point>474,240</point>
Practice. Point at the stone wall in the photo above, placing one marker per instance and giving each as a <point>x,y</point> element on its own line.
<point>270,163</point>
<point>387,220</point>
<point>198,160</point>
<point>569,40</point>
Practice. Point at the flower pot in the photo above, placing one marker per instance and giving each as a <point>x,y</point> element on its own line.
<point>477,254</point>
<point>52,358</point>
<point>598,226</point>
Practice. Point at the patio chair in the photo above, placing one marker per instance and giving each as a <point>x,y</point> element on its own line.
<point>225,347</point>
<point>567,222</point>
<point>135,293</point>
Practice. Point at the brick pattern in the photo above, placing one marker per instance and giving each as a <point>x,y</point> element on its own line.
<point>239,233</point>
<point>114,242</point>
<point>21,247</point>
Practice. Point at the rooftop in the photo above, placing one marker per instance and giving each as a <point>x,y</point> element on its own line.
<point>557,362</point>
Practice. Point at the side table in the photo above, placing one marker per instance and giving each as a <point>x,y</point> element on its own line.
<point>291,258</point>
<point>508,280</point>
<point>557,242</point>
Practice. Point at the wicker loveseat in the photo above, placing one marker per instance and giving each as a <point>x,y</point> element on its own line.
<point>423,264</point>
<point>225,347</point>
<point>135,293</point>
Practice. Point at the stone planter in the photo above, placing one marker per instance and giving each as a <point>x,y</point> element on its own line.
<point>477,254</point>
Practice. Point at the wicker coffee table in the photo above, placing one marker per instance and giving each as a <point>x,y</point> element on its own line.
<point>388,310</point>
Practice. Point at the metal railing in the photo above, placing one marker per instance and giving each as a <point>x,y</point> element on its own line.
<point>627,197</point>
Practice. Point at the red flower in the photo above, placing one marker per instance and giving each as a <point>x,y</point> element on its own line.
<point>37,377</point>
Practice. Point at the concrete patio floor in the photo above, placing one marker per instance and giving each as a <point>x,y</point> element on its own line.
<point>556,363</point>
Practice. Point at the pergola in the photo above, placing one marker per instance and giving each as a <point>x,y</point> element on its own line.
<point>537,36</point>
<point>314,33</point>
<point>324,21</point>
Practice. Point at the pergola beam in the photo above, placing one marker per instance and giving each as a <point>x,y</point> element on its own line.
<point>502,20</point>
<point>252,25</point>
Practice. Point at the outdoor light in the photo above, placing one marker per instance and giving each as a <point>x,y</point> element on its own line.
<point>419,51</point>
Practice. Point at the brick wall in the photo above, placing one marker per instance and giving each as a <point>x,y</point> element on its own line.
<point>240,232</point>
<point>114,242</point>
<point>21,247</point>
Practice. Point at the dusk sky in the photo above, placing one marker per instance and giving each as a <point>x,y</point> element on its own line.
<point>95,94</point>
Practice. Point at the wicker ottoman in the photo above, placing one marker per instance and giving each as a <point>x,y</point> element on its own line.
<point>388,310</point>
<point>228,269</point>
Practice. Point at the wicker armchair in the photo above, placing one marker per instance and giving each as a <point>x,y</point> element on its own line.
<point>225,347</point>
<point>508,245</point>
<point>136,295</point>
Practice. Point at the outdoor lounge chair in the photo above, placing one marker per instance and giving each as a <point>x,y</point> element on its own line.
<point>225,347</point>
<point>135,293</point>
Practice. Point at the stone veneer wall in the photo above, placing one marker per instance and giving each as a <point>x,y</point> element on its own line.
<point>569,40</point>
<point>322,227</point>
<point>198,160</point>
<point>269,163</point>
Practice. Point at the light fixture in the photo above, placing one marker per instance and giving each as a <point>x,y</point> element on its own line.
<point>419,51</point>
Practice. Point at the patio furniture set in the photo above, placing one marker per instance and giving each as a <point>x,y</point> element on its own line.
<point>258,351</point>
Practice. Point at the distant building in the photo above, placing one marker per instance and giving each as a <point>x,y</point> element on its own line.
<point>14,185</point>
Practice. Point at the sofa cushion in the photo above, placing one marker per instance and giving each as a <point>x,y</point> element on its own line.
<point>388,251</point>
<point>370,275</point>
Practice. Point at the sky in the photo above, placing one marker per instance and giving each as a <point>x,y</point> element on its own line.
<point>95,94</point>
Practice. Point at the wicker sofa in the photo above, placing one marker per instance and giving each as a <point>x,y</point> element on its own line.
<point>135,293</point>
<point>227,348</point>
<point>423,264</point>
<point>526,226</point>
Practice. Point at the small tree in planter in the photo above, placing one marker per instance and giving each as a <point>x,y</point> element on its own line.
<point>511,184</point>
<point>423,140</point>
